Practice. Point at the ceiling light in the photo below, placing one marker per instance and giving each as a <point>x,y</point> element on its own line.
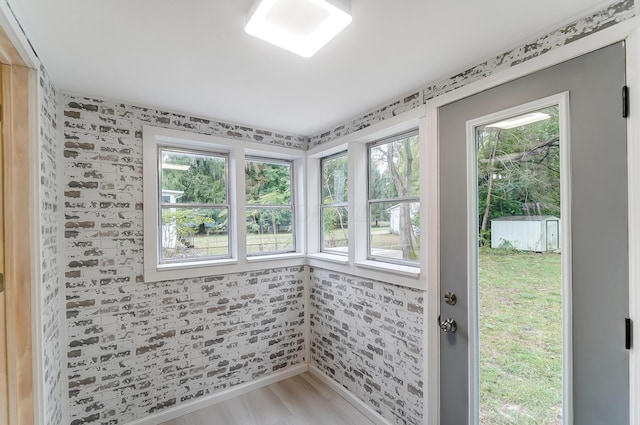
<point>521,120</point>
<point>300,26</point>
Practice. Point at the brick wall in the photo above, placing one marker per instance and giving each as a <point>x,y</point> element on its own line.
<point>51,292</point>
<point>602,19</point>
<point>135,348</point>
<point>368,336</point>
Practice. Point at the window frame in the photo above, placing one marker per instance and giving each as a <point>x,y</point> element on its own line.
<point>324,205</point>
<point>399,199</point>
<point>355,142</point>
<point>161,203</point>
<point>292,205</point>
<point>237,151</point>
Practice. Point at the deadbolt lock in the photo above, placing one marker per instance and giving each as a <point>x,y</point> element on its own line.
<point>450,298</point>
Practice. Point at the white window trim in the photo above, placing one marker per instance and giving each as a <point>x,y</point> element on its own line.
<point>357,263</point>
<point>237,151</point>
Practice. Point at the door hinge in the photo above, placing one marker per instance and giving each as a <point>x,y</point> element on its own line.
<point>625,102</point>
<point>628,329</point>
<point>1,283</point>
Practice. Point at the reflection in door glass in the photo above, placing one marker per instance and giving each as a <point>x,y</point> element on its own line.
<point>520,279</point>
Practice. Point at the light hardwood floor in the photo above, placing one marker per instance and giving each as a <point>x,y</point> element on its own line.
<point>301,400</point>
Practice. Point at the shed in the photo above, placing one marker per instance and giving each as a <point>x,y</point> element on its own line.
<point>394,216</point>
<point>537,233</point>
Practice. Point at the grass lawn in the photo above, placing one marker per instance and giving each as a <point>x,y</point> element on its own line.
<point>217,244</point>
<point>520,338</point>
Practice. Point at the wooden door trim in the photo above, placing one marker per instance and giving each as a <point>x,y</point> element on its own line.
<point>8,53</point>
<point>18,242</point>
<point>20,127</point>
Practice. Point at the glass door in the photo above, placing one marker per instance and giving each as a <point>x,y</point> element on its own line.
<point>533,249</point>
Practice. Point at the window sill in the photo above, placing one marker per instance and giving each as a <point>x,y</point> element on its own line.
<point>408,271</point>
<point>196,264</point>
<point>333,258</point>
<point>189,270</point>
<point>274,257</point>
<point>219,267</point>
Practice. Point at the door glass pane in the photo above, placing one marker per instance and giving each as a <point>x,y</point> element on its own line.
<point>520,274</point>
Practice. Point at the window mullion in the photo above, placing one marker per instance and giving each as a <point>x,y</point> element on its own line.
<point>399,199</point>
<point>186,205</point>
<point>238,202</point>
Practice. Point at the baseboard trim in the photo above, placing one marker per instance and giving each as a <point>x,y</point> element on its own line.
<point>374,416</point>
<point>192,406</point>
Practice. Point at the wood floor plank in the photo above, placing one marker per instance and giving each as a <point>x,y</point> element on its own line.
<point>309,406</point>
<point>300,400</point>
<point>320,386</point>
<point>259,407</point>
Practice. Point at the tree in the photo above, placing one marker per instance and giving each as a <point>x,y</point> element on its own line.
<point>335,191</point>
<point>269,194</point>
<point>518,167</point>
<point>202,180</point>
<point>397,166</point>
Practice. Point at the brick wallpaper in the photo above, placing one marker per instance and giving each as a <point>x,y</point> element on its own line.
<point>605,18</point>
<point>135,348</point>
<point>50,281</point>
<point>368,336</point>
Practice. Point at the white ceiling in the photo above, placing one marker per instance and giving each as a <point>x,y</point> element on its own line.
<point>193,56</point>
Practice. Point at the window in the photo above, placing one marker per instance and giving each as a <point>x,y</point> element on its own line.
<point>333,204</point>
<point>394,203</point>
<point>193,205</point>
<point>270,208</point>
<point>214,205</point>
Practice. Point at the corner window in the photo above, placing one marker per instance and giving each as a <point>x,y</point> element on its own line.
<point>333,204</point>
<point>393,202</point>
<point>270,208</point>
<point>193,206</point>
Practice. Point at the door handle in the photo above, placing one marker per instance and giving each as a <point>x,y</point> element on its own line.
<point>448,325</point>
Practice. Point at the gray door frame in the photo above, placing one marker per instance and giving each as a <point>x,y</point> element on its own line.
<point>626,31</point>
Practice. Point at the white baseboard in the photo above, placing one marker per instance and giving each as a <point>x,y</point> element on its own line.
<point>223,395</point>
<point>374,416</point>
